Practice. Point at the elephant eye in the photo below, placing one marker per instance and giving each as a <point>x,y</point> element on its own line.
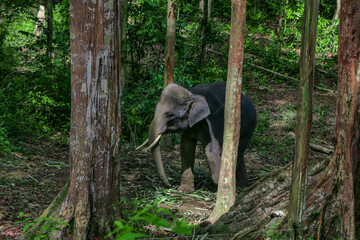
<point>169,115</point>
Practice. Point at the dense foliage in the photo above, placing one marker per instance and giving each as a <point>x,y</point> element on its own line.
<point>35,87</point>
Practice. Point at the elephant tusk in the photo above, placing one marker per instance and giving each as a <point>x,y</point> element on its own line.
<point>142,144</point>
<point>153,144</point>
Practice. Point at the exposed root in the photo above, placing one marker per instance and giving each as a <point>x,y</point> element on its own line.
<point>54,208</point>
<point>261,209</point>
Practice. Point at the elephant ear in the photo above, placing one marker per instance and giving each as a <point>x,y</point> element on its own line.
<point>199,109</point>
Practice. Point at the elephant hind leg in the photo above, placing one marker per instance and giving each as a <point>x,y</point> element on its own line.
<point>213,155</point>
<point>241,174</point>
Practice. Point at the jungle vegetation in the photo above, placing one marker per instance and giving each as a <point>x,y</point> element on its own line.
<point>37,65</point>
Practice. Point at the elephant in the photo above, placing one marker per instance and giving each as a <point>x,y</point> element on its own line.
<point>197,113</point>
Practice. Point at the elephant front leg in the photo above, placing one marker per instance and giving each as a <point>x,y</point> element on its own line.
<point>187,151</point>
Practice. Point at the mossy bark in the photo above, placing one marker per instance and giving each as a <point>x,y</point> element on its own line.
<point>303,119</point>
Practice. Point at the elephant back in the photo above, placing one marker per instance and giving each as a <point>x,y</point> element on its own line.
<point>214,94</point>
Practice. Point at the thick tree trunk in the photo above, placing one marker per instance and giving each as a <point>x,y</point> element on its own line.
<point>226,185</point>
<point>347,115</point>
<point>304,119</point>
<point>95,122</point>
<point>332,207</point>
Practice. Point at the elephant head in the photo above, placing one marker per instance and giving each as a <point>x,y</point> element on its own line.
<point>177,110</point>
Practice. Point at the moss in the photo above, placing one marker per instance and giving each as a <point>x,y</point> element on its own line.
<point>222,228</point>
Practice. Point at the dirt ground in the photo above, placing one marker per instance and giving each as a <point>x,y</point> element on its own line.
<point>32,176</point>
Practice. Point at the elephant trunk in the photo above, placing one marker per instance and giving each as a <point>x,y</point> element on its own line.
<point>153,136</point>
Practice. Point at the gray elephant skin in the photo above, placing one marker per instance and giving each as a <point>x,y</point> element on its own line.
<point>198,114</point>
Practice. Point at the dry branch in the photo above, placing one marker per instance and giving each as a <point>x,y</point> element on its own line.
<point>315,147</point>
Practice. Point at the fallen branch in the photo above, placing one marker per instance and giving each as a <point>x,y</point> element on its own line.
<point>315,147</point>
<point>321,149</point>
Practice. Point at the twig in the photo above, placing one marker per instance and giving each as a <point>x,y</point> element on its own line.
<point>33,178</point>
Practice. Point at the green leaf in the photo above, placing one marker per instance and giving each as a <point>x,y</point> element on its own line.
<point>165,211</point>
<point>130,236</point>
<point>26,227</point>
<point>161,222</point>
<point>182,227</point>
<point>45,228</point>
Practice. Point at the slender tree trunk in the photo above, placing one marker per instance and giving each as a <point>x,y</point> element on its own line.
<point>209,10</point>
<point>124,42</point>
<point>286,14</point>
<point>226,185</point>
<point>337,10</point>
<point>87,205</point>
<point>41,17</point>
<point>50,29</point>
<point>170,44</point>
<point>169,57</point>
<point>204,6</point>
<point>304,119</point>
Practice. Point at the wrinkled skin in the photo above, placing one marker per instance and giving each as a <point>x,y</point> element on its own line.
<point>198,114</point>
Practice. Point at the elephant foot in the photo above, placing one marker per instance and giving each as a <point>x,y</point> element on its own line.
<point>186,188</point>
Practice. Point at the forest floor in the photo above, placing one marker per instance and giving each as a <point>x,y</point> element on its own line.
<point>33,175</point>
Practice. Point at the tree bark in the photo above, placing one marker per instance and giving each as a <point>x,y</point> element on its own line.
<point>204,6</point>
<point>124,42</point>
<point>50,29</point>
<point>209,10</point>
<point>304,119</point>
<point>337,10</point>
<point>347,116</point>
<point>226,185</point>
<point>95,121</point>
<point>170,44</point>
<point>41,17</point>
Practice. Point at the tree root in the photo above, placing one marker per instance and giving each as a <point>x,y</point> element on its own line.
<point>54,208</point>
<point>261,209</point>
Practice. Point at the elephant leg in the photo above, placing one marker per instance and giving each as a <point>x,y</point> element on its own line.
<point>241,175</point>
<point>187,151</point>
<point>213,155</point>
